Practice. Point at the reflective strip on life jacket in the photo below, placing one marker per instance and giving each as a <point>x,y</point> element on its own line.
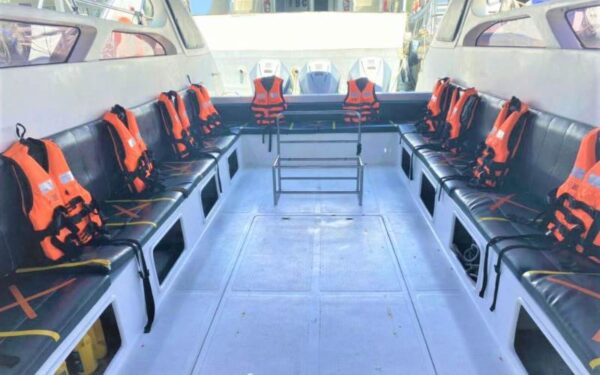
<point>362,101</point>
<point>207,114</point>
<point>177,124</point>
<point>268,104</point>
<point>501,144</point>
<point>577,201</point>
<point>459,118</point>
<point>131,151</point>
<point>62,212</point>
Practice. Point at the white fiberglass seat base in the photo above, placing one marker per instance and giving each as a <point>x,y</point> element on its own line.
<point>318,285</point>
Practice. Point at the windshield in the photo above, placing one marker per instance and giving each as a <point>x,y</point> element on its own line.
<point>214,7</point>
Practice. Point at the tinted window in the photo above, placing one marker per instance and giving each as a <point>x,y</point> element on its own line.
<point>24,44</point>
<point>137,12</point>
<point>513,33</point>
<point>499,6</point>
<point>185,24</point>
<point>451,21</point>
<point>585,22</point>
<point>126,45</point>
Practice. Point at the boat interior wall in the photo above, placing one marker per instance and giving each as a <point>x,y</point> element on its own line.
<point>89,85</point>
<point>395,107</point>
<point>538,76</point>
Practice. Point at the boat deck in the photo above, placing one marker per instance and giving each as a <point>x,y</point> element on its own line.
<point>314,285</point>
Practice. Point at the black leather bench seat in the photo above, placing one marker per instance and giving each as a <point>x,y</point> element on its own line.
<point>138,218</point>
<point>185,175</point>
<point>219,143</point>
<point>99,258</point>
<point>443,164</point>
<point>414,139</point>
<point>494,212</point>
<point>572,302</point>
<point>42,309</point>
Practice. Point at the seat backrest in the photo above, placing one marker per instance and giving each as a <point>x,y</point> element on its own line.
<point>190,107</point>
<point>547,153</point>
<point>90,153</point>
<point>16,234</point>
<point>153,131</point>
<point>486,114</point>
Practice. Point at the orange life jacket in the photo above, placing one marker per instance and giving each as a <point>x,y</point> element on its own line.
<point>267,104</point>
<point>437,106</point>
<point>459,119</point>
<point>501,144</point>
<point>62,213</point>
<point>177,124</point>
<point>577,202</point>
<point>207,114</point>
<point>132,154</point>
<point>363,101</point>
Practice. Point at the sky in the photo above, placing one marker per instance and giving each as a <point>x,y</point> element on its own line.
<point>200,7</point>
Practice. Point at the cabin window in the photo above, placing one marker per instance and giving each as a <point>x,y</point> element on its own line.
<point>585,22</point>
<point>23,43</point>
<point>126,45</point>
<point>500,6</point>
<point>130,12</point>
<point>451,21</point>
<point>185,25</point>
<point>137,12</point>
<point>520,32</point>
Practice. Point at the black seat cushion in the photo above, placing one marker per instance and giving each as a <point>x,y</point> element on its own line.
<point>445,166</point>
<point>185,175</point>
<point>495,212</point>
<point>116,255</point>
<point>572,302</point>
<point>48,305</point>
<point>220,143</point>
<point>102,259</point>
<point>414,139</point>
<point>494,215</point>
<point>138,218</point>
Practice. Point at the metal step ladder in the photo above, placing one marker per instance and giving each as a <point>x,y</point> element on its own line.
<point>324,163</point>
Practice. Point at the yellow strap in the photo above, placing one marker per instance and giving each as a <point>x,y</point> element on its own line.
<point>131,223</point>
<point>492,218</point>
<point>92,262</point>
<point>167,199</point>
<point>32,332</point>
<point>291,126</point>
<point>595,363</point>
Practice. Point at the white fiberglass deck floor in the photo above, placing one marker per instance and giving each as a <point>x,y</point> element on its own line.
<point>317,285</point>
